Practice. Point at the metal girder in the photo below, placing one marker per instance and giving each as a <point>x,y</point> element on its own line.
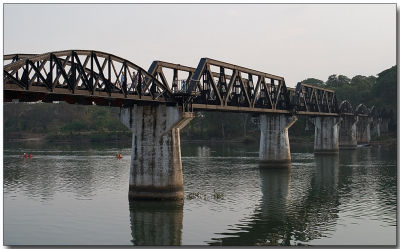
<point>309,98</point>
<point>362,110</point>
<point>95,72</point>
<point>223,84</point>
<point>345,108</point>
<point>86,77</point>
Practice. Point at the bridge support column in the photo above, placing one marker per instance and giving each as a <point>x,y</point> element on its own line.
<point>363,130</point>
<point>384,125</point>
<point>274,141</point>
<point>326,138</point>
<point>376,127</point>
<point>348,132</point>
<point>156,167</point>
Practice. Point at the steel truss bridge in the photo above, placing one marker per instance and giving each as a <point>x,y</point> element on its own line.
<point>92,77</point>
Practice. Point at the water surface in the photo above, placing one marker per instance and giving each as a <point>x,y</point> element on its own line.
<point>78,195</point>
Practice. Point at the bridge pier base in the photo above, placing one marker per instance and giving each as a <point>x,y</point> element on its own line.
<point>326,138</point>
<point>274,141</point>
<point>384,125</point>
<point>376,127</point>
<point>363,130</point>
<point>156,166</point>
<point>348,133</point>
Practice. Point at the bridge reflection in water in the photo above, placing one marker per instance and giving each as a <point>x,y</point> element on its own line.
<point>156,223</point>
<point>300,205</point>
<point>291,209</point>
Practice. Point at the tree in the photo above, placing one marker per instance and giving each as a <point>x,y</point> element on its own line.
<point>335,81</point>
<point>314,82</point>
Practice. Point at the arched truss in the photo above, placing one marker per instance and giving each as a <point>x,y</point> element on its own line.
<point>86,77</point>
<point>11,58</point>
<point>175,83</point>
<point>220,85</point>
<point>362,110</point>
<point>81,76</point>
<point>309,98</point>
<point>346,108</point>
<point>374,112</point>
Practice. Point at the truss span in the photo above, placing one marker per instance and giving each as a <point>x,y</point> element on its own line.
<point>94,77</point>
<point>81,76</point>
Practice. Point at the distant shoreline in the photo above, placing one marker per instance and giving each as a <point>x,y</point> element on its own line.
<point>125,138</point>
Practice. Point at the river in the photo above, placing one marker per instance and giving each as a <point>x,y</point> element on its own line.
<point>77,194</point>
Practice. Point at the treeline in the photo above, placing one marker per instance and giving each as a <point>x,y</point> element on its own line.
<point>380,91</point>
<point>63,121</point>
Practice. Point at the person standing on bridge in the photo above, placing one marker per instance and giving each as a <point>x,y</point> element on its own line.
<point>123,81</point>
<point>183,86</point>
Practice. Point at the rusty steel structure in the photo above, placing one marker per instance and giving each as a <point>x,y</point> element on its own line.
<point>92,77</point>
<point>80,76</point>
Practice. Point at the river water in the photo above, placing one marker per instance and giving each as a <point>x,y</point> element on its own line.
<point>78,195</point>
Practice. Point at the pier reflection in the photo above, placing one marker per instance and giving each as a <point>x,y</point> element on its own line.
<point>291,212</point>
<point>156,222</point>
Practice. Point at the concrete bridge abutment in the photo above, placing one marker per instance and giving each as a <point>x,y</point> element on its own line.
<point>348,132</point>
<point>326,138</point>
<point>156,166</point>
<point>274,141</point>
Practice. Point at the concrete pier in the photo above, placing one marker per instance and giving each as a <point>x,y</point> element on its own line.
<point>363,130</point>
<point>326,138</point>
<point>274,141</point>
<point>156,167</point>
<point>384,127</point>
<point>348,132</point>
<point>376,127</point>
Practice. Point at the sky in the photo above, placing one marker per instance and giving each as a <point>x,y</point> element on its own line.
<point>295,41</point>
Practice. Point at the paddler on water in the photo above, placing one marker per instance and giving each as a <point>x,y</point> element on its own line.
<point>119,156</point>
<point>27,156</point>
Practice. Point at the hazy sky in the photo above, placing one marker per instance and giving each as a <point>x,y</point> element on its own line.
<point>296,41</point>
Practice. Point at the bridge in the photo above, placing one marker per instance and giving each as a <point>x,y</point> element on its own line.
<point>156,105</point>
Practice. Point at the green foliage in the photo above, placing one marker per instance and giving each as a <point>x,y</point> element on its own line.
<point>335,81</point>
<point>314,82</point>
<point>60,118</point>
<point>75,125</point>
<point>221,125</point>
<point>380,91</point>
<point>385,89</point>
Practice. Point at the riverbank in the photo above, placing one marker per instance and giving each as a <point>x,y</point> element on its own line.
<point>385,139</point>
<point>125,138</point>
<point>71,137</point>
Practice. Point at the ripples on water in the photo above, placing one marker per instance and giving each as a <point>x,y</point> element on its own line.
<point>78,195</point>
